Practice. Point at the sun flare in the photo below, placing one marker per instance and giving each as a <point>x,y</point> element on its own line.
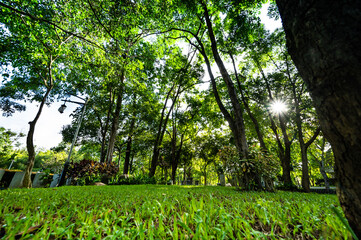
<point>278,107</point>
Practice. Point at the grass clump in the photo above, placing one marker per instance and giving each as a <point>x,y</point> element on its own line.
<point>166,212</point>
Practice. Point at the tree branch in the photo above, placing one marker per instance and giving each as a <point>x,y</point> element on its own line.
<point>50,23</point>
<point>313,138</point>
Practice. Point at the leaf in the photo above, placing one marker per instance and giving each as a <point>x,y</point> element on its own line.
<point>30,230</point>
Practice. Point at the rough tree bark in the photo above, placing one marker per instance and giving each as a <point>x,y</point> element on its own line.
<point>323,39</point>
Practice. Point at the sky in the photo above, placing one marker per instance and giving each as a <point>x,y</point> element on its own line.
<point>47,130</point>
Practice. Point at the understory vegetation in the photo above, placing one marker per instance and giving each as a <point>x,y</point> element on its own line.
<point>166,212</point>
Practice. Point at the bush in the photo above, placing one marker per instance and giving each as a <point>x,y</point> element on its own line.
<point>47,178</point>
<point>288,187</point>
<point>248,172</point>
<point>135,180</point>
<point>87,172</point>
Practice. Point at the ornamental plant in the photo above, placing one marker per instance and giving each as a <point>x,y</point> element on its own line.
<point>87,172</point>
<point>266,166</point>
<point>249,173</point>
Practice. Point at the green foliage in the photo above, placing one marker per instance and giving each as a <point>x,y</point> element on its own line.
<point>88,172</point>
<point>6,145</point>
<point>47,177</point>
<point>166,212</point>
<point>135,180</point>
<point>258,164</point>
<point>116,36</point>
<point>265,163</point>
<point>53,161</point>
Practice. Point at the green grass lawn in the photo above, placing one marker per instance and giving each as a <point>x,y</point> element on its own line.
<point>166,212</point>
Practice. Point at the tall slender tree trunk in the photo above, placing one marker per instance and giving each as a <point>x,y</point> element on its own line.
<point>237,126</point>
<point>115,123</point>
<point>286,166</point>
<point>304,146</point>
<point>129,147</point>
<point>287,152</point>
<point>105,128</point>
<point>205,176</point>
<point>323,38</point>
<point>157,141</point>
<point>30,142</point>
<point>305,181</point>
<point>176,160</point>
<point>284,151</point>
<point>248,109</point>
<point>322,164</point>
<point>161,130</point>
<point>131,164</point>
<point>323,173</point>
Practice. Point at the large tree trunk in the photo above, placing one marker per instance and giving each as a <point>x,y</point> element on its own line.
<point>323,38</point>
<point>30,143</point>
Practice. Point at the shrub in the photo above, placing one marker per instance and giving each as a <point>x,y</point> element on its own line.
<point>47,177</point>
<point>87,172</point>
<point>135,180</point>
<point>248,172</point>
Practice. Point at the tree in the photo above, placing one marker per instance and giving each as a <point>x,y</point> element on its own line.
<point>200,24</point>
<point>185,75</point>
<point>185,126</point>
<point>265,89</point>
<point>304,116</point>
<point>324,159</point>
<point>36,71</point>
<point>323,39</point>
<point>7,138</point>
<point>207,150</point>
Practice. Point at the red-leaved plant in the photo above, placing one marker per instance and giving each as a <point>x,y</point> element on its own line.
<point>88,172</point>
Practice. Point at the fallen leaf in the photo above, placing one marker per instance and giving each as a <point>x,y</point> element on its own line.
<point>30,230</point>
